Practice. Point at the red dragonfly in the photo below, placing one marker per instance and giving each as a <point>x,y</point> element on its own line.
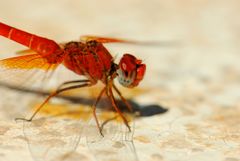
<point>88,57</point>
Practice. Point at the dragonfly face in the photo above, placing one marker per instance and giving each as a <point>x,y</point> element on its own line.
<point>131,71</point>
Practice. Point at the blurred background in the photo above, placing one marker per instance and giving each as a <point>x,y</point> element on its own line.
<point>194,71</point>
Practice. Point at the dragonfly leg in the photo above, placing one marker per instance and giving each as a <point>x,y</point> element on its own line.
<point>113,101</point>
<point>122,98</point>
<point>73,82</point>
<point>94,110</point>
<point>58,91</point>
<point>108,120</point>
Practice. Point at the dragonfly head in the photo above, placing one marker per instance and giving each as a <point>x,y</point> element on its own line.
<point>131,71</point>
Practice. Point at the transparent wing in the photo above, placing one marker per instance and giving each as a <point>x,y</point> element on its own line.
<point>56,138</point>
<point>101,39</point>
<point>117,143</point>
<point>25,70</point>
<point>86,38</point>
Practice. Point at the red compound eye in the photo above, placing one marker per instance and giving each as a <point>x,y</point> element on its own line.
<point>131,71</point>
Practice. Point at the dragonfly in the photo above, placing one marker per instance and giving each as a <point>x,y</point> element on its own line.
<point>87,57</point>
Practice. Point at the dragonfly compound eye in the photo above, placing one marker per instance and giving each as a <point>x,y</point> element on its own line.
<point>131,71</point>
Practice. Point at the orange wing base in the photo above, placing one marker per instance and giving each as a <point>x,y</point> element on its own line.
<point>33,61</point>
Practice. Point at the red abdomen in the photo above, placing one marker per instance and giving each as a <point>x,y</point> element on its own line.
<point>41,45</point>
<point>91,59</point>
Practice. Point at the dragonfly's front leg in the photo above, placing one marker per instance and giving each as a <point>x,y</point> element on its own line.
<point>113,101</point>
<point>122,98</point>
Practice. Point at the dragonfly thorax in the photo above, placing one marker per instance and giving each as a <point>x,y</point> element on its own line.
<point>91,59</point>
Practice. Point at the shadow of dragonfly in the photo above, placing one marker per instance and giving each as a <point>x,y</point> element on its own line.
<point>57,136</point>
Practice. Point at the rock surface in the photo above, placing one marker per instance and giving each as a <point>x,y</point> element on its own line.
<point>196,76</point>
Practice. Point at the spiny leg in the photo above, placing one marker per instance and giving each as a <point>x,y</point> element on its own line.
<point>52,95</point>
<point>111,96</point>
<point>123,99</point>
<point>94,109</point>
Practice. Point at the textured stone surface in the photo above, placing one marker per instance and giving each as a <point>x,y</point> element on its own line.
<point>198,80</point>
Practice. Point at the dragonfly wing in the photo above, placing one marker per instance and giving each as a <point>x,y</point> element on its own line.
<point>117,40</point>
<point>32,61</point>
<point>47,140</point>
<point>117,143</point>
<point>56,138</point>
<point>104,39</point>
<point>25,70</point>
